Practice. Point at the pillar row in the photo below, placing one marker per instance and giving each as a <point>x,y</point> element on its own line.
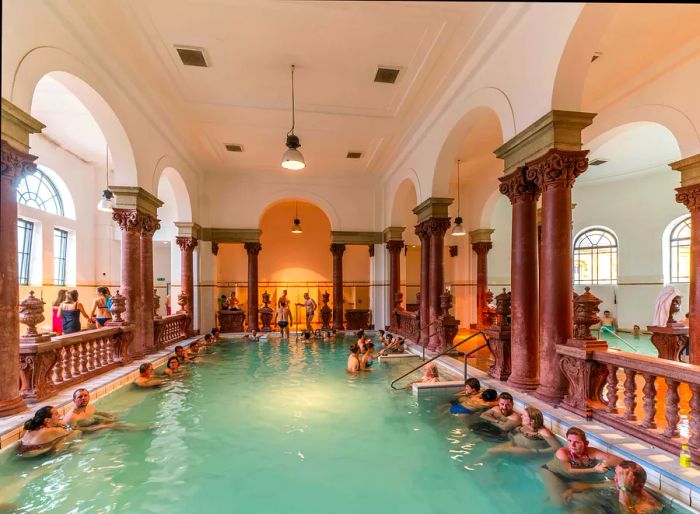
<point>481,245</point>
<point>253,249</point>
<point>394,248</point>
<point>148,227</point>
<point>187,245</point>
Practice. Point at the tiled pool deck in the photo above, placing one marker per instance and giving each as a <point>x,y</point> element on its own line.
<point>664,474</point>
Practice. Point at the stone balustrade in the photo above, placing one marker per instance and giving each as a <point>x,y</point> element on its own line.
<point>601,378</point>
<point>406,325</point>
<point>170,329</point>
<point>49,364</point>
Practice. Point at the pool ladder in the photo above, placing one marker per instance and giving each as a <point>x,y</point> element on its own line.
<point>485,345</point>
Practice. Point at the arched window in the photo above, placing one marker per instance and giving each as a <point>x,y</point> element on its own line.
<point>679,246</point>
<point>595,257</point>
<point>38,191</point>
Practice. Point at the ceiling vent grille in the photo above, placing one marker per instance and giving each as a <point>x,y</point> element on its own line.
<point>354,155</point>
<point>191,56</point>
<point>597,162</point>
<point>596,55</point>
<point>234,148</point>
<point>386,75</point>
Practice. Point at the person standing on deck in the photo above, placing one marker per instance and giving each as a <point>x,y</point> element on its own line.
<point>310,305</point>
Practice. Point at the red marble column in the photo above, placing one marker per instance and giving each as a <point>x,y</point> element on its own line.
<point>690,197</point>
<point>436,227</point>
<point>187,245</point>
<point>14,165</point>
<point>253,250</point>
<point>481,249</point>
<point>424,308</point>
<point>394,248</point>
<point>523,279</point>
<point>338,250</point>
<point>131,221</point>
<point>555,173</point>
<point>149,225</point>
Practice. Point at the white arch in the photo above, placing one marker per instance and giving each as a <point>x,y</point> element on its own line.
<point>666,247</point>
<point>183,205</point>
<point>282,195</point>
<point>63,191</point>
<point>396,216</point>
<point>77,77</point>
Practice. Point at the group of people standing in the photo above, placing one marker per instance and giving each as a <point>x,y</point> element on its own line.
<point>67,310</point>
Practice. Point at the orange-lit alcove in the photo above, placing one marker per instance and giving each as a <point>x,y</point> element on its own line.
<point>296,262</point>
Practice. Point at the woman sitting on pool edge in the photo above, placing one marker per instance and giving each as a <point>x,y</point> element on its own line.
<point>44,432</point>
<point>530,438</point>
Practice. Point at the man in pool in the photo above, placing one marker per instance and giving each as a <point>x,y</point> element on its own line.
<point>182,354</point>
<point>83,415</point>
<point>502,415</point>
<point>146,378</point>
<point>630,479</point>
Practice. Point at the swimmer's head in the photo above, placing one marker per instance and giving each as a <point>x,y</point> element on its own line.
<point>640,475</point>
<point>533,417</point>
<point>81,397</point>
<point>146,369</point>
<point>489,395</point>
<point>307,335</point>
<point>47,416</point>
<point>505,403</point>
<point>174,363</point>
<point>179,351</point>
<point>576,440</point>
<point>207,337</point>
<point>354,348</point>
<point>472,386</point>
<point>431,371</point>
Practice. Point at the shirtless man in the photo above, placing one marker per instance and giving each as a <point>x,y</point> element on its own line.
<point>310,305</point>
<point>283,298</point>
<point>83,415</point>
<point>283,318</point>
<point>630,479</point>
<point>503,415</point>
<point>146,378</point>
<point>233,302</point>
<point>182,354</point>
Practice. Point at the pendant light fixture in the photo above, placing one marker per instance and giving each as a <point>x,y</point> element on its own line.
<point>106,203</point>
<point>458,229</point>
<point>296,227</point>
<point>292,158</point>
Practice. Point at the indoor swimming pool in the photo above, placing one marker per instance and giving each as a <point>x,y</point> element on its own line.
<point>278,427</point>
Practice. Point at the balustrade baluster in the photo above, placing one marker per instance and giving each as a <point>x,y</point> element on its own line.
<point>83,358</point>
<point>67,363</point>
<point>109,350</point>
<point>630,399</point>
<point>98,353</point>
<point>649,400</point>
<point>694,438</point>
<point>612,389</point>
<point>90,355</point>
<point>672,417</point>
<point>75,360</point>
<point>58,368</point>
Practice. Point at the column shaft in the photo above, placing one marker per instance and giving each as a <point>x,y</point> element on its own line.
<point>424,308</point>
<point>187,245</point>
<point>337,250</point>
<point>482,276</point>
<point>14,165</point>
<point>524,283</point>
<point>436,280</point>
<point>394,248</point>
<point>150,225</point>
<point>555,173</point>
<point>690,197</point>
<point>253,250</point>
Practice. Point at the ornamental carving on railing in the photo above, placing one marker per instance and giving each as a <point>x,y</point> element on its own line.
<point>31,313</point>
<point>118,307</point>
<point>585,314</point>
<point>326,312</point>
<point>557,168</point>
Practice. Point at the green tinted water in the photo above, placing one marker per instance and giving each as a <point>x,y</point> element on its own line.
<point>278,428</point>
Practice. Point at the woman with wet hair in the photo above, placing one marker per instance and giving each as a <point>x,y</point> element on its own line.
<point>44,433</point>
<point>530,438</point>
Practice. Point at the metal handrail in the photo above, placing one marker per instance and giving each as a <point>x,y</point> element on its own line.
<point>614,334</point>
<point>485,345</point>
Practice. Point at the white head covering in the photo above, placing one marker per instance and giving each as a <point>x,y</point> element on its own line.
<point>663,305</point>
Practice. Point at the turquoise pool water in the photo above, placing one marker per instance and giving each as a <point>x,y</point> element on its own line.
<point>278,428</point>
<point>628,343</point>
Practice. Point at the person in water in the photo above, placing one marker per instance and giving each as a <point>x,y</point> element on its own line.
<point>146,378</point>
<point>173,368</point>
<point>430,376</point>
<point>353,359</point>
<point>215,335</point>
<point>577,462</point>
<point>208,340</point>
<point>83,414</point>
<point>607,322</point>
<point>44,433</point>
<point>503,415</point>
<point>629,482</point>
<point>472,400</point>
<point>367,359</point>
<point>530,438</point>
<point>182,354</point>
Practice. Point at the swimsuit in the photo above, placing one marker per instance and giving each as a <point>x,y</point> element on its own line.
<point>283,324</point>
<point>71,321</point>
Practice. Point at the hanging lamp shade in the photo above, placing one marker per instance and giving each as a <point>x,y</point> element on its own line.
<point>106,203</point>
<point>296,228</point>
<point>292,158</point>
<point>458,229</point>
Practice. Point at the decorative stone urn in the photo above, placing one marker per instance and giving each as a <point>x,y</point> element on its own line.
<point>156,304</point>
<point>31,313</point>
<point>447,325</point>
<point>326,312</point>
<point>503,309</point>
<point>398,300</point>
<point>585,314</point>
<point>118,306</point>
<point>266,313</point>
<point>182,300</point>
<point>488,313</point>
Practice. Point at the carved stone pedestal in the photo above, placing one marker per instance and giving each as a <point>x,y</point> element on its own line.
<point>231,321</point>
<point>499,342</point>
<point>447,326</point>
<point>357,319</point>
<point>326,312</point>
<point>670,340</point>
<point>37,357</point>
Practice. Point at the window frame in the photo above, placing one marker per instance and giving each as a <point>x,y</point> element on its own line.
<point>24,250</point>
<point>594,251</point>
<point>34,198</point>
<point>60,256</point>
<point>674,247</point>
